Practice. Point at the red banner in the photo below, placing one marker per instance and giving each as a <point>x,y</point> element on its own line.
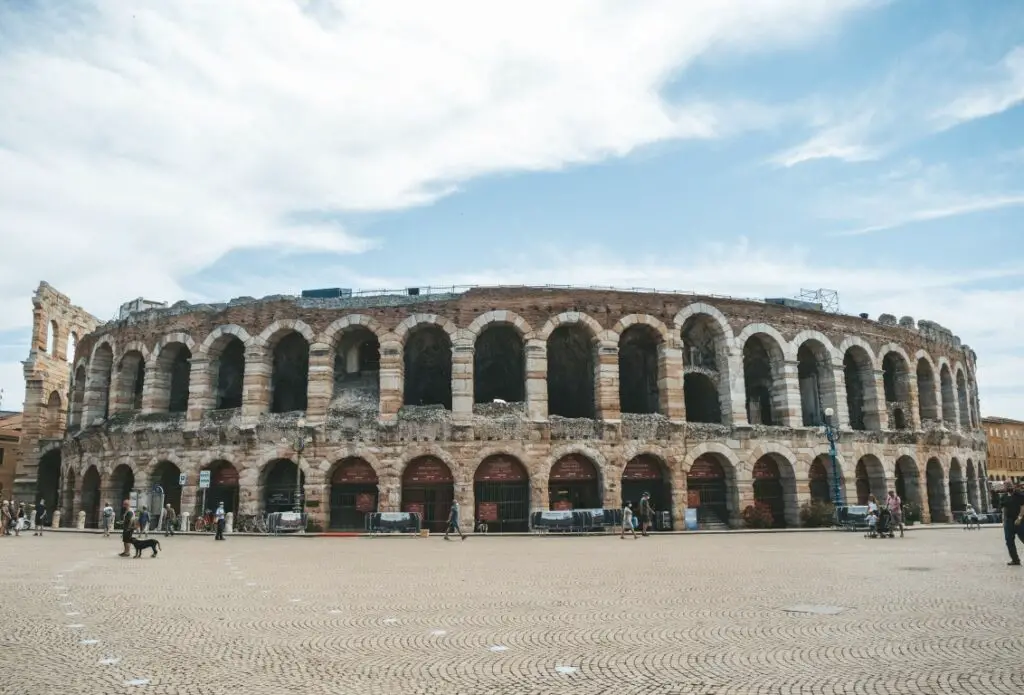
<point>366,502</point>
<point>642,468</point>
<point>487,511</point>
<point>705,468</point>
<point>414,508</point>
<point>427,470</point>
<point>561,506</point>
<point>573,468</point>
<point>354,471</point>
<point>500,469</point>
<point>693,498</point>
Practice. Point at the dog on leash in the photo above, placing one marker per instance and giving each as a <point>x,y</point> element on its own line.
<point>151,543</point>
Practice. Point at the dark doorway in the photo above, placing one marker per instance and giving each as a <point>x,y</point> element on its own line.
<point>957,487</point>
<point>768,489</point>
<point>859,378</point>
<point>700,394</point>
<point>936,491</point>
<point>167,476</point>
<point>48,479</point>
<point>638,370</point>
<point>499,365</point>
<point>354,494</point>
<point>223,488</point>
<point>229,367</point>
<point>290,379</point>
<point>907,481</point>
<point>707,491</point>
<point>122,482</point>
<point>571,375</point>
<point>646,473</point>
<point>812,367</point>
<point>428,367</point>
<point>91,497</point>
<point>759,379</point>
<point>428,489</point>
<point>574,484</point>
<point>501,490</point>
<point>279,487</point>
<point>818,478</point>
<point>180,377</point>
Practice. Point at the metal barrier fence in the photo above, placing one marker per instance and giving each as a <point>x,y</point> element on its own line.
<point>394,522</point>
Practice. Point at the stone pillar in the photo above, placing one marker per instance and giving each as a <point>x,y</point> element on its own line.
<point>97,392</point>
<point>80,523</point>
<point>606,382</point>
<point>256,381</point>
<point>611,493</point>
<point>539,498</point>
<point>55,521</point>
<point>392,369</point>
<point>922,493</point>
<point>670,382</point>
<point>190,492</point>
<point>883,406</point>
<point>787,396</point>
<point>837,399</point>
<point>229,522</point>
<point>537,384</point>
<point>679,499</point>
<point>201,389</point>
<point>467,509</point>
<point>462,380</point>
<point>732,389</point>
<point>914,416</point>
<point>321,381</point>
<point>156,389</point>
<point>745,498</point>
<point>389,495</point>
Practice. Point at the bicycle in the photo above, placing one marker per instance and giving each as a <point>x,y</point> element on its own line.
<point>252,523</point>
<point>205,524</point>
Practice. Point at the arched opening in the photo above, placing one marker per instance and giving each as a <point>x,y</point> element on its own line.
<point>897,390</point>
<point>765,389</point>
<point>290,379</point>
<point>700,394</point>
<point>928,406</point>
<point>428,489</point>
<point>647,474</point>
<point>965,409</point>
<point>935,483</point>
<point>279,486</point>
<point>908,481</point>
<point>224,488</point>
<point>817,382</point>
<point>859,376</point>
<point>574,484</point>
<point>428,367</point>
<point>708,491</point>
<point>91,497</point>
<point>227,363</point>
<point>571,372</point>
<point>171,377</point>
<point>121,485</point>
<point>357,370</point>
<point>870,475</point>
<point>77,398</point>
<point>972,485</point>
<point>501,488</point>
<point>704,355</point>
<point>54,415</point>
<point>499,365</point>
<point>168,477</point>
<point>48,479</point>
<point>98,388</point>
<point>770,488</point>
<point>51,338</point>
<point>948,397</point>
<point>818,481</point>
<point>131,377</point>
<point>638,369</point>
<point>354,494</point>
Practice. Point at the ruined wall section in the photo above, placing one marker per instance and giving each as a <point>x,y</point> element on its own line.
<point>58,327</point>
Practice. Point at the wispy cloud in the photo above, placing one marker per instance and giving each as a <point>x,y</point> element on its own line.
<point>966,206</point>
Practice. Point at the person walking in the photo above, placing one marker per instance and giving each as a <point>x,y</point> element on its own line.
<point>627,521</point>
<point>127,527</point>
<point>108,519</point>
<point>895,507</point>
<point>221,518</point>
<point>19,519</point>
<point>6,520</point>
<point>170,519</point>
<point>144,522</point>
<point>1012,504</point>
<point>453,521</point>
<point>40,520</point>
<point>646,513</point>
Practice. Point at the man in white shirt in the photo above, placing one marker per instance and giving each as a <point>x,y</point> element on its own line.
<point>627,521</point>
<point>220,516</point>
<point>108,519</point>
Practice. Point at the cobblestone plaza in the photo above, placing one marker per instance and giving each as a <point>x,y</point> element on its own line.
<point>935,612</point>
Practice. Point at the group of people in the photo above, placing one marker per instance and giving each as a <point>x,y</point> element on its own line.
<point>645,513</point>
<point>14,518</point>
<point>894,505</point>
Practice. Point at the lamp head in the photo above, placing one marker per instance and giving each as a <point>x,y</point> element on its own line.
<point>301,423</point>
<point>829,413</point>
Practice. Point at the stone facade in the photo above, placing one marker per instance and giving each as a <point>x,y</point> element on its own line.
<point>1005,447</point>
<point>10,451</point>
<point>700,389</point>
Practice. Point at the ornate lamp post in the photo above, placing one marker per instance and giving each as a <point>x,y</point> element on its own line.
<point>300,444</point>
<point>833,436</point>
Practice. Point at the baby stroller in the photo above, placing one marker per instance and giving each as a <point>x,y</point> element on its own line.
<point>882,528</point>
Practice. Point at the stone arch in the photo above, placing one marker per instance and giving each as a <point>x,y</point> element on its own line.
<point>567,318</point>
<point>499,357</point>
<point>713,476</point>
<point>707,341</point>
<point>859,376</point>
<point>54,415</point>
<point>830,351</point>
<point>333,332</point>
<point>869,475</point>
<point>627,322</point>
<point>417,320</point>
<point>713,314</point>
<point>221,335</point>
<point>819,475</point>
<point>354,343</point>
<point>428,351</point>
<point>764,378</point>
<point>935,484</point>
<point>428,489</point>
<point>48,475</point>
<point>270,335</point>
<point>503,317</point>
<point>52,331</point>
<point>572,341</point>
<point>224,349</point>
<point>91,493</point>
<point>927,388</point>
<point>853,341</point>
<point>97,390</point>
<point>816,360</point>
<point>576,481</point>
<point>225,484</point>
<point>287,353</point>
<point>649,473</point>
<point>948,391</point>
<point>129,380</point>
<point>896,386</point>
<point>963,405</point>
<point>640,345</point>
<point>278,486</point>
<point>422,450</point>
<point>169,373</point>
<point>77,395</point>
<point>907,476</point>
<point>774,484</point>
<point>502,493</point>
<point>972,485</point>
<point>354,485</point>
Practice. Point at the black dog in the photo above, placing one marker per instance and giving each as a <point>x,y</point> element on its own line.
<point>151,543</point>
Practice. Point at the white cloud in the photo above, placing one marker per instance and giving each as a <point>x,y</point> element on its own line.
<point>139,146</point>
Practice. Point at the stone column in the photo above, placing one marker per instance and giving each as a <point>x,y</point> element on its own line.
<point>537,384</point>
<point>732,389</point>
<point>922,493</point>
<point>190,492</point>
<point>462,380</point>
<point>914,416</point>
<point>606,386</point>
<point>539,498</point>
<point>389,495</point>
<point>320,388</point>
<point>879,389</point>
<point>314,492</point>
<point>679,499</point>
<point>670,382</point>
<point>837,399</point>
<point>745,498</point>
<point>156,389</point>
<point>201,389</point>
<point>97,393</point>
<point>467,508</point>
<point>391,377</point>
<point>256,381</point>
<point>787,396</point>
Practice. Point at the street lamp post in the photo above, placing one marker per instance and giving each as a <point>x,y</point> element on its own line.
<point>833,436</point>
<point>300,444</point>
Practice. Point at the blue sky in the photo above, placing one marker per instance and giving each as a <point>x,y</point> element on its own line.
<point>742,148</point>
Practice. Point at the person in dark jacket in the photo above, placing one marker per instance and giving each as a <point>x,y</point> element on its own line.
<point>127,527</point>
<point>37,529</point>
<point>1012,504</point>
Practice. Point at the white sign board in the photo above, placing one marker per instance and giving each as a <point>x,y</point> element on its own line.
<point>182,477</point>
<point>204,479</point>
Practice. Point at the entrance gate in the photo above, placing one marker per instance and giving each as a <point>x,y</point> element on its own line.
<point>353,495</point>
<point>707,491</point>
<point>768,489</point>
<point>820,491</point>
<point>428,489</point>
<point>573,484</point>
<point>501,488</point>
<point>645,474</point>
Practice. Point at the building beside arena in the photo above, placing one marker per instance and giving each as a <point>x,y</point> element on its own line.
<point>1005,449</point>
<point>507,399</point>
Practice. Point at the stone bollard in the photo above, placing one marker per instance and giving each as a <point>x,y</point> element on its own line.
<point>81,521</point>
<point>32,519</point>
<point>229,522</point>
<point>183,522</point>
<point>56,519</point>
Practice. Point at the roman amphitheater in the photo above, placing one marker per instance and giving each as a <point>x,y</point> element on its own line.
<point>510,400</point>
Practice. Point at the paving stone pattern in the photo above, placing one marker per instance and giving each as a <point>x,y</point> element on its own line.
<point>935,612</point>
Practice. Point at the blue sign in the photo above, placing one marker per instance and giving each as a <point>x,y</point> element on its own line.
<point>690,519</point>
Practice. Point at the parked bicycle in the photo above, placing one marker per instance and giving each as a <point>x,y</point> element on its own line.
<point>205,523</point>
<point>252,523</point>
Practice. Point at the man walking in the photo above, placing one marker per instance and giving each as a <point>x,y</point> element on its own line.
<point>144,522</point>
<point>453,521</point>
<point>108,519</point>
<point>646,513</point>
<point>221,518</point>
<point>1013,521</point>
<point>895,506</point>
<point>127,527</point>
<point>170,519</point>
<point>37,528</point>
